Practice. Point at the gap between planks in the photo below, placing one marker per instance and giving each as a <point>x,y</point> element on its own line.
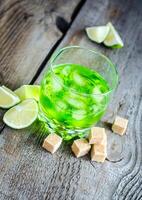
<point>60,22</point>
<point>59,26</point>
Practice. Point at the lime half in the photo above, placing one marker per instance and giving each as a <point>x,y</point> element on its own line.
<point>28,92</point>
<point>7,98</point>
<point>97,33</point>
<point>113,39</point>
<point>22,115</point>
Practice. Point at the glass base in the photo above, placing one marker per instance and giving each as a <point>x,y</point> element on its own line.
<point>66,134</point>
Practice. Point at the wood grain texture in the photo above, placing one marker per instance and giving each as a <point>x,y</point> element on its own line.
<point>122,172</point>
<point>28,172</point>
<point>28,31</point>
<point>127,101</point>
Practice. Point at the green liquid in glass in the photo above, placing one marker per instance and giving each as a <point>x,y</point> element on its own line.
<point>72,98</point>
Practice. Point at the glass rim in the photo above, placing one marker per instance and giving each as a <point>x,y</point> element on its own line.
<point>59,51</point>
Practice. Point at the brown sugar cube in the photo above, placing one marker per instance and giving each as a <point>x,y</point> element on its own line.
<point>120,125</point>
<point>52,142</point>
<point>80,147</point>
<point>98,152</point>
<point>97,136</point>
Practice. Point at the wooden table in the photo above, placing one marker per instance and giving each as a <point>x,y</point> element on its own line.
<point>30,31</point>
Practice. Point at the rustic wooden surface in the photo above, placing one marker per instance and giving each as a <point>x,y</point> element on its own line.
<point>27,171</point>
<point>29,32</point>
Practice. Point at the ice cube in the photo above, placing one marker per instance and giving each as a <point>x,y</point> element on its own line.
<point>97,95</point>
<point>56,84</point>
<point>97,90</point>
<point>95,109</point>
<point>74,99</point>
<point>76,103</point>
<point>79,114</point>
<point>60,105</point>
<point>66,71</point>
<point>79,80</point>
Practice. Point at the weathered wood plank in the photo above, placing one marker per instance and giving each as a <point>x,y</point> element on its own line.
<point>125,102</point>
<point>28,172</point>
<point>28,31</point>
<point>125,174</point>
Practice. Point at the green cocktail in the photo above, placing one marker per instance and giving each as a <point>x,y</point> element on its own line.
<point>73,98</point>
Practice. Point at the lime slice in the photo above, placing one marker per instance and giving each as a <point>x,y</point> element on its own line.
<point>97,33</point>
<point>113,39</point>
<point>28,92</point>
<point>22,115</point>
<point>7,98</point>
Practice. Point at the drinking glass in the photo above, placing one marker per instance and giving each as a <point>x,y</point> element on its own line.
<point>76,90</point>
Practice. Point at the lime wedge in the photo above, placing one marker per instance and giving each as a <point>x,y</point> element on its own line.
<point>7,98</point>
<point>28,92</point>
<point>113,39</point>
<point>21,115</point>
<point>97,33</point>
